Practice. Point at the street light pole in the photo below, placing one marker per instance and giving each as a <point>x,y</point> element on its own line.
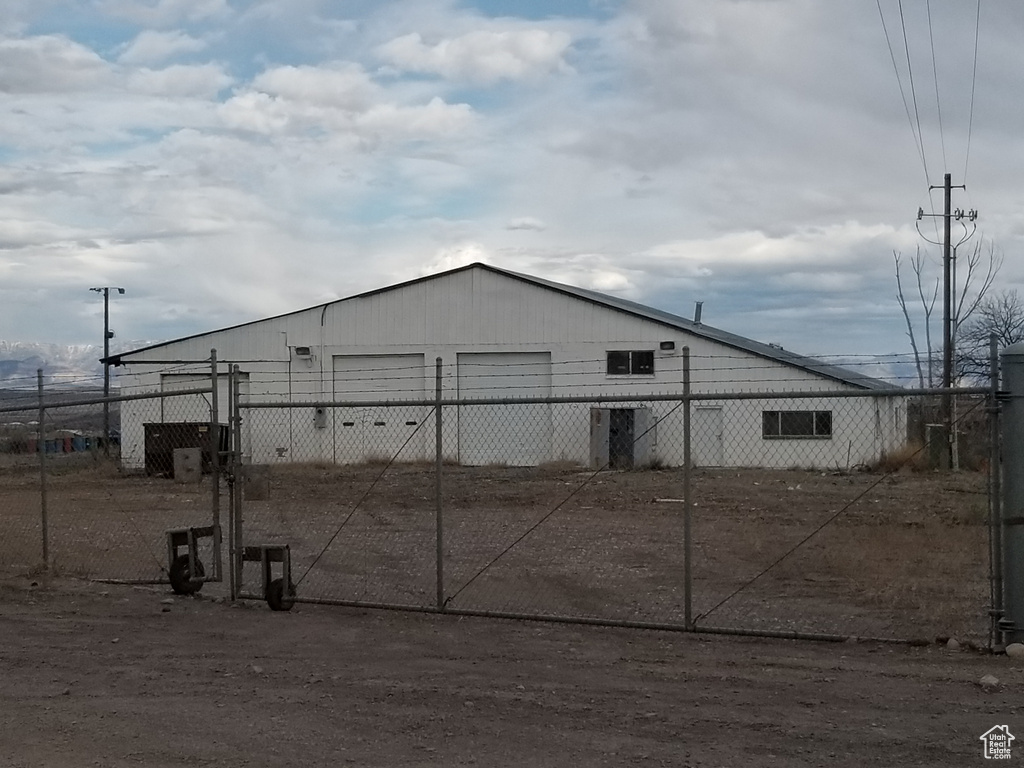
<point>107,335</point>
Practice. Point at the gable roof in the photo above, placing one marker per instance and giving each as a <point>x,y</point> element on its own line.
<point>677,322</point>
<point>667,319</point>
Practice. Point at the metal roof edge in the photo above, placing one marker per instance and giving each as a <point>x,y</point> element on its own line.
<point>677,322</point>
<point>116,359</point>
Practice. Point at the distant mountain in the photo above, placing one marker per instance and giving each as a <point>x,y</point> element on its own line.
<point>62,365</point>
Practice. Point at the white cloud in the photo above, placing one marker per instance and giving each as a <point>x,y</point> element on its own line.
<point>526,222</point>
<point>754,155</point>
<point>340,86</point>
<point>434,119</point>
<point>455,256</point>
<point>164,13</point>
<point>337,100</point>
<point>199,81</point>
<point>482,56</point>
<point>152,47</point>
<point>49,64</point>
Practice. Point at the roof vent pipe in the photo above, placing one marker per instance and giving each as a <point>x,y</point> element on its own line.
<point>696,312</point>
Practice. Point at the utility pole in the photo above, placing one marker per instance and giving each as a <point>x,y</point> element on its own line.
<point>948,302</point>
<point>107,335</point>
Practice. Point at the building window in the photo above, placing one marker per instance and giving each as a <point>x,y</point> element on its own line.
<point>783,424</point>
<point>631,363</point>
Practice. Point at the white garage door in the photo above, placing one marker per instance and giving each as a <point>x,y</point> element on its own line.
<point>378,433</point>
<point>517,435</point>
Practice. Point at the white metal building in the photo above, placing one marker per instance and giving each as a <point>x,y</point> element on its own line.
<point>501,334</point>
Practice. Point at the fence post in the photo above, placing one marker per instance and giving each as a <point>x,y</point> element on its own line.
<point>1012,519</point>
<point>215,467</point>
<point>438,468</point>
<point>235,427</point>
<point>995,516</point>
<point>41,445</point>
<point>687,503</point>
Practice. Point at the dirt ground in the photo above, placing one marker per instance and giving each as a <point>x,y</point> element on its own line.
<point>102,675</point>
<point>844,553</point>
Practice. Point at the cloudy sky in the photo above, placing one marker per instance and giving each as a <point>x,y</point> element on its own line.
<point>226,160</point>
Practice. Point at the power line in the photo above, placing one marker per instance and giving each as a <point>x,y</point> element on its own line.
<point>974,81</point>
<point>913,92</point>
<point>903,94</point>
<point>935,77</point>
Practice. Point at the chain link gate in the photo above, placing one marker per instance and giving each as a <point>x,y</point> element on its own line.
<point>139,504</point>
<point>526,508</point>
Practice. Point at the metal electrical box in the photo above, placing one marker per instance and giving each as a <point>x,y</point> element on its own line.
<point>622,438</point>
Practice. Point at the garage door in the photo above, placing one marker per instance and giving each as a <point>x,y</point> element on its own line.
<point>378,433</point>
<point>517,435</point>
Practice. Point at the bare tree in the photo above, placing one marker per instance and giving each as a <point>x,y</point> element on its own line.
<point>1001,315</point>
<point>978,271</point>
<point>927,304</point>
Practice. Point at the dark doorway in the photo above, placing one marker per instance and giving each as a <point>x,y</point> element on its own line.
<point>621,438</point>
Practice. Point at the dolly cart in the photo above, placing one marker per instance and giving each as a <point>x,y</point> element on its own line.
<point>185,570</point>
<point>274,592</point>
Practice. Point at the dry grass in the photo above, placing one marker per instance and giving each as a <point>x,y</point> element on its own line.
<point>906,555</point>
<point>911,456</point>
<point>560,465</point>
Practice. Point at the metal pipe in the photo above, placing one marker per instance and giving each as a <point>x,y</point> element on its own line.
<point>43,514</point>
<point>687,497</point>
<point>595,622</point>
<point>235,420</point>
<point>106,372</point>
<point>122,399</point>
<point>215,459</point>
<point>995,514</point>
<point>673,397</point>
<point>1012,517</point>
<point>695,397</point>
<point>438,467</point>
<point>947,324</point>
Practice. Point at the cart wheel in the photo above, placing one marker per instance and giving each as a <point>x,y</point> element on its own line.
<point>181,580</point>
<point>277,599</point>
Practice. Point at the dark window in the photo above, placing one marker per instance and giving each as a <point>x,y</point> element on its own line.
<point>823,423</point>
<point>618,362</point>
<point>776,424</point>
<point>642,362</point>
<point>638,362</point>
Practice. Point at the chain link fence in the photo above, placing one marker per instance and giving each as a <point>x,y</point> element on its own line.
<point>795,514</point>
<point>78,503</point>
<point>803,514</point>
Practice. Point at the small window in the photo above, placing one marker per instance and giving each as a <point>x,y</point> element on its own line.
<point>618,363</point>
<point>785,424</point>
<point>634,362</point>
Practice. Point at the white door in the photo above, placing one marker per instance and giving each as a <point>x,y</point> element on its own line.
<point>516,435</point>
<point>706,447</point>
<point>378,432</point>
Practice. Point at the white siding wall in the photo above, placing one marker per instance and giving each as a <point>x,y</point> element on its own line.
<point>481,312</point>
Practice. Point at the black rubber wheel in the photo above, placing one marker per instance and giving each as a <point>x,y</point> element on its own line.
<point>277,599</point>
<point>181,579</point>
